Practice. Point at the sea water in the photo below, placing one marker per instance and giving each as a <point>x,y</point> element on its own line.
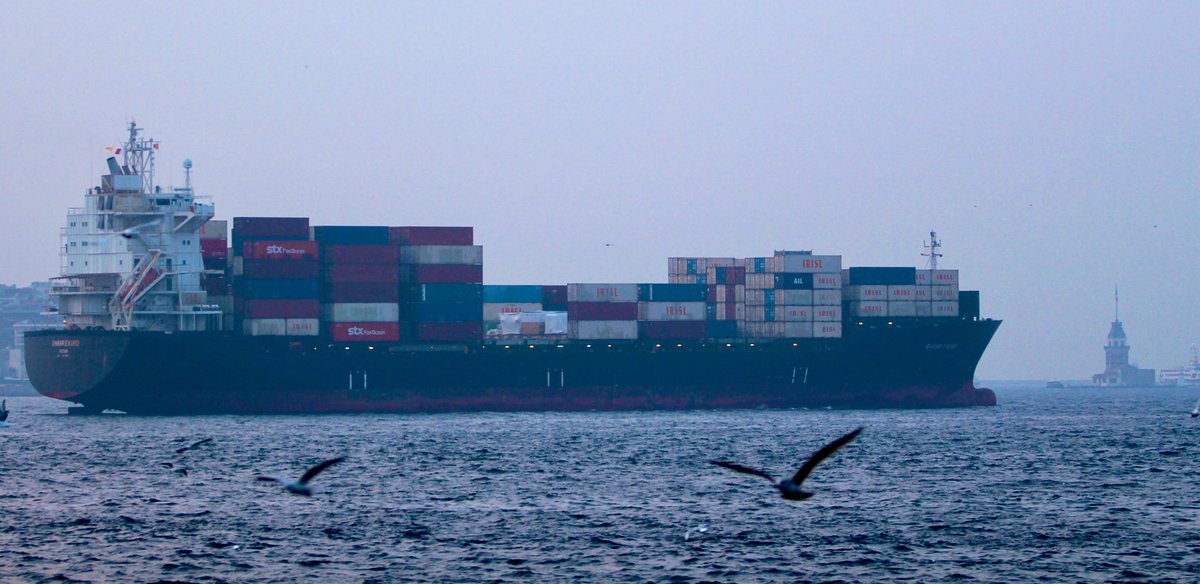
<point>1052,485</point>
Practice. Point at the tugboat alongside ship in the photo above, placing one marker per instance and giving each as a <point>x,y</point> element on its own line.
<point>168,314</point>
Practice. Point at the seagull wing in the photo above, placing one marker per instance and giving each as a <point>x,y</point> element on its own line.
<point>316,470</point>
<point>743,469</point>
<point>822,454</point>
<point>191,446</point>
<point>266,479</point>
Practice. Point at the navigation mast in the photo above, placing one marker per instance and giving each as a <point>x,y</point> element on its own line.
<point>933,245</point>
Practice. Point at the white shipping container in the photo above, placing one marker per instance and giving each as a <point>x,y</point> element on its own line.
<point>944,293</point>
<point>794,313</point>
<point>471,255</point>
<point>922,293</point>
<point>215,229</point>
<point>760,281</point>
<point>902,308</point>
<point>830,280</point>
<point>739,312</point>
<point>302,327</point>
<point>361,312</point>
<point>738,293</point>
<point>827,330</point>
<point>797,330</point>
<point>827,313</point>
<point>866,293</point>
<point>656,311</point>
<point>756,297</point>
<point>937,277</point>
<point>796,297</point>
<point>755,312</point>
<point>493,310</point>
<point>905,293</point>
<point>924,308</point>
<point>869,308</point>
<point>944,308</point>
<point>237,265</point>
<point>827,298</point>
<point>797,262</point>
<point>602,292</point>
<point>262,327</point>
<point>761,330</point>
<point>682,279</point>
<point>604,329</point>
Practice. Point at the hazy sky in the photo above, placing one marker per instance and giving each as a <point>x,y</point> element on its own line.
<point>1054,146</point>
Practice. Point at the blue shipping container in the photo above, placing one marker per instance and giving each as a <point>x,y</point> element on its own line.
<point>513,294</point>
<point>722,329</point>
<point>449,293</point>
<point>870,276</point>
<point>277,289</point>
<point>351,235</point>
<point>446,311</point>
<point>795,281</point>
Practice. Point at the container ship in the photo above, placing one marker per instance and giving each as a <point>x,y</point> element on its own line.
<point>168,311</point>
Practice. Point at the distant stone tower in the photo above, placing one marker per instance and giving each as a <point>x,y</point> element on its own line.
<point>1117,370</point>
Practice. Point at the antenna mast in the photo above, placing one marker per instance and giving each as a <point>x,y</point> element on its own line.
<point>1116,304</point>
<point>933,245</point>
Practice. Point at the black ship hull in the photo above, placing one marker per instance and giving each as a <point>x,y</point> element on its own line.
<point>917,364</point>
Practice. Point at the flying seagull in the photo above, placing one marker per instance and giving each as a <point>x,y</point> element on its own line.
<point>790,488</point>
<point>301,487</point>
<point>191,446</point>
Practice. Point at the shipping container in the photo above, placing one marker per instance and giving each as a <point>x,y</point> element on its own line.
<point>603,329</point>
<point>360,312</point>
<point>214,249</point>
<point>869,308</point>
<point>937,277</point>
<point>827,330</point>
<point>445,311</point>
<point>270,227</point>
<point>447,293</point>
<point>350,235</point>
<point>902,308</point>
<point>827,313</point>
<point>442,274</point>
<point>759,265</point>
<point>493,310</point>
<point>215,230</point>
<point>943,309</point>
<point>672,330</point>
<point>828,280</point>
<point>261,327</point>
<point>278,308</point>
<point>672,292</point>
<point>276,289</point>
<point>722,329</point>
<point>348,332</point>
<point>944,293</point>
<point>726,275</point>
<point>827,297</point>
<point>360,254</point>
<point>793,281</point>
<point>923,308</point>
<point>687,279</point>
<point>449,331</point>
<point>760,281</point>
<point>360,273</point>
<point>360,292</point>
<point>905,293</point>
<point>215,285</point>
<point>515,293</point>
<point>216,263</point>
<point>430,235</point>
<point>800,262</point>
<point>787,313</point>
<point>922,293</point>
<point>602,293</point>
<point>602,310</point>
<point>303,327</point>
<point>275,270</point>
<point>278,250</point>
<point>968,303</point>
<point>866,293</point>
<point>887,276</point>
<point>661,311</point>
<point>795,297</point>
<point>556,295</point>
<point>469,255</point>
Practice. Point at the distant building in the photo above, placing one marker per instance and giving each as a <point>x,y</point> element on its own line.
<point>1117,370</point>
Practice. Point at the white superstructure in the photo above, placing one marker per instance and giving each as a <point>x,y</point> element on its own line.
<point>131,255</point>
<point>1188,375</point>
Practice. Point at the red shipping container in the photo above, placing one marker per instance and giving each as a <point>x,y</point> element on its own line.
<point>271,226</point>
<point>216,285</point>
<point>280,270</point>
<point>449,331</point>
<point>280,250</point>
<point>279,308</point>
<point>672,329</point>
<point>431,235</point>
<point>214,248</point>
<point>444,274</point>
<point>215,263</point>
<point>360,254</point>
<point>364,331</point>
<point>554,294</point>
<point>602,311</point>
<point>360,292</point>
<point>712,293</point>
<point>730,311</point>
<point>361,273</point>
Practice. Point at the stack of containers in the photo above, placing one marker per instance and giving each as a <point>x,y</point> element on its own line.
<point>502,300</point>
<point>725,297</point>
<point>792,295</point>
<point>275,277</point>
<point>442,273</point>
<point>936,293</point>
<point>360,283</point>
<point>878,292</point>
<point>696,270</point>
<point>673,311</point>
<point>214,251</point>
<point>602,311</point>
